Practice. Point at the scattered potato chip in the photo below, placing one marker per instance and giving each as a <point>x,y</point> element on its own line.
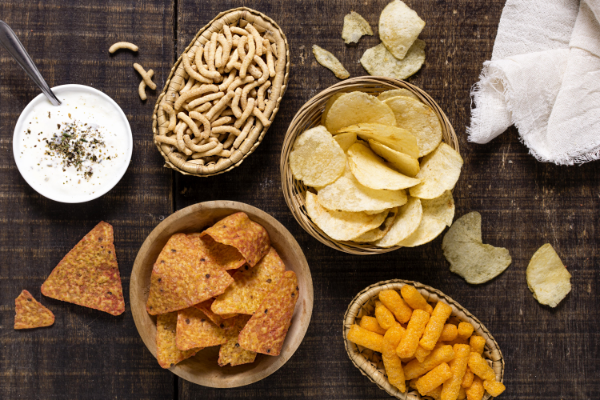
<point>439,172</point>
<point>231,353</point>
<point>437,214</point>
<point>399,27</point>
<point>379,61</point>
<point>167,352</point>
<point>330,62</point>
<point>372,172</point>
<point>222,256</point>
<point>407,222</point>
<point>29,313</point>
<point>404,163</point>
<point>468,256</point>
<point>341,225</point>
<point>194,329</point>
<point>420,120</point>
<point>358,108</point>
<point>345,140</point>
<point>547,277</point>
<point>388,94</point>
<point>328,105</point>
<point>396,138</point>
<point>355,27</point>
<point>316,158</point>
<point>375,234</point>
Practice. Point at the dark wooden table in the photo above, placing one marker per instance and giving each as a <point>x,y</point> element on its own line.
<point>550,353</point>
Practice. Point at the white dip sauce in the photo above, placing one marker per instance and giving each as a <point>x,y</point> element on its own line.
<point>76,151</point>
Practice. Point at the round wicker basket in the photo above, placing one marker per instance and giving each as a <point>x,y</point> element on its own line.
<point>176,81</point>
<point>370,364</point>
<point>310,116</point>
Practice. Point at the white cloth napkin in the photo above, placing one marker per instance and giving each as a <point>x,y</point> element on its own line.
<point>544,77</point>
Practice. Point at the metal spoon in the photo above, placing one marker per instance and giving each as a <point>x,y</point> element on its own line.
<point>11,43</point>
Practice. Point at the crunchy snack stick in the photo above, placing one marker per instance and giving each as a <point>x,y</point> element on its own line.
<point>29,313</point>
<point>475,391</point>
<point>410,341</point>
<point>434,378</point>
<point>449,333</point>
<point>414,299</point>
<point>122,45</point>
<point>458,366</point>
<point>384,317</point>
<point>434,327</point>
<point>194,329</point>
<point>391,362</point>
<point>465,330</point>
<point>371,324</point>
<point>365,338</point>
<point>414,369</point>
<point>167,352</point>
<point>231,353</point>
<point>480,367</point>
<point>144,75</point>
<point>142,87</point>
<point>421,354</point>
<point>467,379</point>
<point>392,300</point>
<point>493,387</point>
<point>477,344</point>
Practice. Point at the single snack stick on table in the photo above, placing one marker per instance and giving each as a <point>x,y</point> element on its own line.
<point>167,352</point>
<point>231,352</point>
<point>122,45</point>
<point>194,329</point>
<point>29,313</point>
<point>142,87</point>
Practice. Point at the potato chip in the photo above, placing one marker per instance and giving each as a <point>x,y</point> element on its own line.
<point>547,277</point>
<point>328,105</point>
<point>372,172</point>
<point>231,353</point>
<point>355,27</point>
<point>345,140</point>
<point>379,232</point>
<point>358,108</point>
<point>395,138</point>
<point>181,279</point>
<point>317,159</point>
<point>404,163</point>
<point>341,225</point>
<point>468,256</point>
<point>439,172</point>
<point>399,27</point>
<point>89,274</point>
<point>194,329</point>
<point>407,222</point>
<point>379,61</point>
<point>248,237</point>
<point>250,286</point>
<point>167,352</point>
<point>437,214</point>
<point>420,120</point>
<point>265,332</point>
<point>29,313</point>
<point>388,94</point>
<point>222,256</point>
<point>347,194</point>
<point>330,62</point>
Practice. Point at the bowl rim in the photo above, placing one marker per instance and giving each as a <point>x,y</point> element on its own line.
<point>304,312</point>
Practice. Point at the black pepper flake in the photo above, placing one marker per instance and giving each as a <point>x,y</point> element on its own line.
<point>187,321</point>
<point>222,326</point>
<point>269,280</point>
<point>173,251</point>
<point>162,261</point>
<point>28,299</point>
<point>202,320</point>
<point>100,239</point>
<point>269,350</point>
<point>293,294</point>
<point>172,364</point>
<point>109,293</point>
<point>246,267</point>
<point>237,345</point>
<point>207,276</point>
<point>266,310</point>
<point>202,259</point>
<point>160,279</point>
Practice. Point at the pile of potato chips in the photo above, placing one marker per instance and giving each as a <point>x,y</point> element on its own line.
<point>379,170</point>
<point>225,286</point>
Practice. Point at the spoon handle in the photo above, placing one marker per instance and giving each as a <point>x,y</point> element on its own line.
<point>14,46</point>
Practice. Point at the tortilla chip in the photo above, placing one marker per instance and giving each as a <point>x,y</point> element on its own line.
<point>180,278</point>
<point>267,329</point>
<point>250,286</point>
<point>237,230</point>
<point>194,329</point>
<point>222,256</point>
<point>167,352</point>
<point>231,352</point>
<point>216,318</point>
<point>30,313</point>
<point>89,274</point>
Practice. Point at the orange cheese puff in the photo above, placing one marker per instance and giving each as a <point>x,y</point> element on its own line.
<point>436,393</point>
<point>458,341</point>
<point>415,369</point>
<point>477,344</point>
<point>434,378</point>
<point>391,362</point>
<point>462,395</point>
<point>410,341</point>
<point>384,317</point>
<point>468,379</point>
<point>365,338</point>
<point>413,298</point>
<point>434,327</point>
<point>480,367</point>
<point>371,324</point>
<point>421,353</point>
<point>465,330</point>
<point>493,387</point>
<point>458,366</point>
<point>449,333</point>
<point>475,392</point>
<point>395,304</point>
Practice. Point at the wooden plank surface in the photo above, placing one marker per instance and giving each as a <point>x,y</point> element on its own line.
<point>549,353</point>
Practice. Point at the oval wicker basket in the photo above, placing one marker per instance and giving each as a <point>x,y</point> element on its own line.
<point>310,116</point>
<point>177,77</point>
<point>370,365</point>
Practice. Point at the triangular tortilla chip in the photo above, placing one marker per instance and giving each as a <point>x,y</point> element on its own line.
<point>231,352</point>
<point>267,329</point>
<point>89,274</point>
<point>216,318</point>
<point>30,313</point>
<point>181,279</point>
<point>194,329</point>
<point>225,257</point>
<point>250,286</point>
<point>237,230</point>
<point>167,352</point>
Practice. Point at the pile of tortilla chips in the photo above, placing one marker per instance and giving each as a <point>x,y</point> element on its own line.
<point>223,287</point>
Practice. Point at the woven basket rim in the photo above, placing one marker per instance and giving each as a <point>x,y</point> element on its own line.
<point>492,351</point>
<point>176,64</point>
<point>293,190</point>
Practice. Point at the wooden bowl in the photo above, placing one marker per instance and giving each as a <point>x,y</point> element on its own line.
<point>309,116</point>
<point>372,367</point>
<point>203,369</point>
